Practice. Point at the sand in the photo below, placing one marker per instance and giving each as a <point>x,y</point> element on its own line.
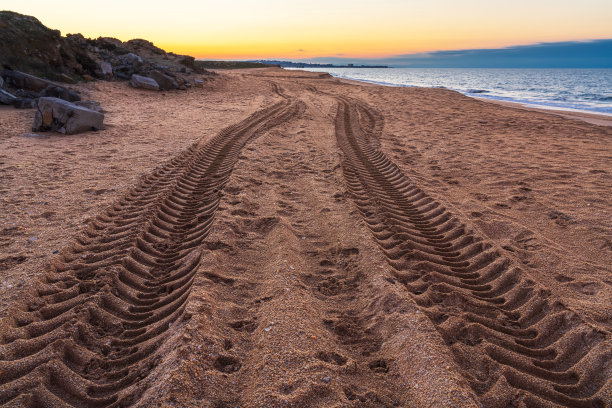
<point>287,239</point>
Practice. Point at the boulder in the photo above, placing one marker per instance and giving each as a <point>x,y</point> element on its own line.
<point>139,81</point>
<point>106,69</point>
<point>60,92</point>
<point>24,103</point>
<point>22,80</point>
<point>164,81</point>
<point>65,117</point>
<point>198,83</point>
<point>7,98</point>
<point>88,77</point>
<point>1,83</point>
<point>132,59</point>
<point>93,105</point>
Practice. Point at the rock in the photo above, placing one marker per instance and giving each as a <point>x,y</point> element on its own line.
<point>24,93</point>
<point>24,103</point>
<point>128,65</point>
<point>65,78</point>
<point>132,59</point>
<point>108,43</point>
<point>198,83</point>
<point>22,80</point>
<point>1,83</point>
<point>7,98</point>
<point>88,77</point>
<point>107,70</point>
<point>93,105</point>
<point>61,92</point>
<point>164,81</point>
<point>187,61</point>
<point>62,116</point>
<point>141,47</point>
<point>139,81</point>
<point>183,83</point>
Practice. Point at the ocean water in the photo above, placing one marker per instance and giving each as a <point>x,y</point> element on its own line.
<point>587,90</point>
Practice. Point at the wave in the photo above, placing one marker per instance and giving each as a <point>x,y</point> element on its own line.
<point>584,90</point>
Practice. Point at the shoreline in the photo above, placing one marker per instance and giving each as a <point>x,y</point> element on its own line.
<point>600,119</point>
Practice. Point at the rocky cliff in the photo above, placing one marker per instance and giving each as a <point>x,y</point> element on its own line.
<point>27,45</point>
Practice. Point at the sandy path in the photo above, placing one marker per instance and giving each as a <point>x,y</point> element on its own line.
<point>332,249</point>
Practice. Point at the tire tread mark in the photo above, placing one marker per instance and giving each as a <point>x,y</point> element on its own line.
<point>106,305</point>
<point>526,343</point>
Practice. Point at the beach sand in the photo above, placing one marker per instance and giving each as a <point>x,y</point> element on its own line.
<point>339,245</point>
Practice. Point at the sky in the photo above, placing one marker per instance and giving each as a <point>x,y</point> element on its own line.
<point>560,54</point>
<point>243,29</point>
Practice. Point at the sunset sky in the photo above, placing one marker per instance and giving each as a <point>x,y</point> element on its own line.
<point>234,29</point>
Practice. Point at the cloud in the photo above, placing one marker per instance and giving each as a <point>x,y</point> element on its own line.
<point>567,54</point>
<point>301,50</point>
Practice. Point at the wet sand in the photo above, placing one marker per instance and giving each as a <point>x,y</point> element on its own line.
<point>593,118</point>
<point>339,244</point>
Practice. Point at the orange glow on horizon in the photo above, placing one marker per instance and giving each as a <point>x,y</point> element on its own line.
<point>269,29</point>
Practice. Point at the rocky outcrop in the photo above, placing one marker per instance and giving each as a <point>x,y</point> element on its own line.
<point>139,81</point>
<point>62,116</point>
<point>27,45</point>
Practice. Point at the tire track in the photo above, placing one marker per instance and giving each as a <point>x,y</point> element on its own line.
<point>91,332</point>
<point>514,341</point>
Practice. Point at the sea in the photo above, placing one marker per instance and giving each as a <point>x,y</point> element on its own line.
<point>584,90</point>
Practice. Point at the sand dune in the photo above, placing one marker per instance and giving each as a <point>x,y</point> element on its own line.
<point>289,239</point>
